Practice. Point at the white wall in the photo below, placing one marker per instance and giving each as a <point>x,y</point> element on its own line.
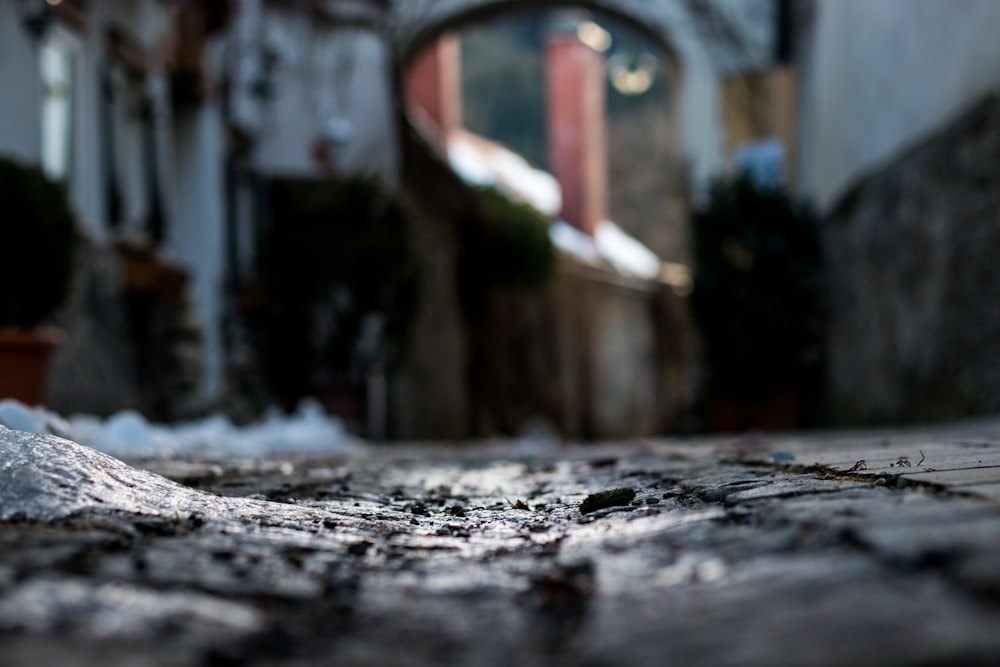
<point>197,237</point>
<point>191,152</point>
<point>20,128</point>
<point>879,75</point>
<point>325,75</point>
<point>87,183</point>
<point>701,132</point>
<point>145,22</point>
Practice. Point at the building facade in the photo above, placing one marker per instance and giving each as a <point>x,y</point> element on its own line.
<point>163,118</point>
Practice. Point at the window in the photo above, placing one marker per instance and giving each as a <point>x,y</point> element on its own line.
<point>57,64</point>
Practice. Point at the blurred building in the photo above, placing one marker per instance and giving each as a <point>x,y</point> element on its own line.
<point>167,120</point>
<point>884,115</point>
<point>899,144</point>
<point>163,119</point>
<point>611,331</point>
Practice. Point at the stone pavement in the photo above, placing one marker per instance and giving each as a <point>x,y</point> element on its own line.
<point>824,549</point>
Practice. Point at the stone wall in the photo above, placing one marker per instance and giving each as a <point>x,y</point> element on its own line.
<point>125,348</point>
<point>93,371</point>
<point>596,356</point>
<point>876,76</point>
<point>427,396</point>
<point>915,252</point>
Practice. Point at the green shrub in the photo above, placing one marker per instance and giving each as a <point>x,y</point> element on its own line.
<point>38,231</point>
<point>338,253</point>
<point>759,296</point>
<point>515,246</point>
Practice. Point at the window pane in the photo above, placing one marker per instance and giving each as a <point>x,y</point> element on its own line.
<point>57,56</point>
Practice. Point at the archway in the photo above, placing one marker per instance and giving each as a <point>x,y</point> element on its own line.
<point>707,38</point>
<point>704,39</point>
<point>522,346</point>
<point>736,33</point>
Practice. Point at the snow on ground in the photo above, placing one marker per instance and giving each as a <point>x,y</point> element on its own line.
<point>128,434</point>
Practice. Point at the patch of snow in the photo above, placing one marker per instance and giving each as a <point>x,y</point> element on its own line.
<point>479,161</point>
<point>469,163</point>
<point>128,434</point>
<point>114,609</point>
<point>572,241</point>
<point>626,253</point>
<point>18,416</point>
<point>43,478</point>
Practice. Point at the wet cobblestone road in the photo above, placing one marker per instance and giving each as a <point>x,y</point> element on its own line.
<point>737,551</point>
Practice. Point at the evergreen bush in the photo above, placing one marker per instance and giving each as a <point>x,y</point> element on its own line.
<point>759,297</point>
<point>337,257</point>
<point>516,248</point>
<point>38,231</point>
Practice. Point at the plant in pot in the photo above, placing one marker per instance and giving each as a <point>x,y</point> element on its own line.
<point>38,230</point>
<point>759,302</point>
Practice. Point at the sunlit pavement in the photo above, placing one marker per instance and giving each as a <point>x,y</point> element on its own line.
<point>830,549</point>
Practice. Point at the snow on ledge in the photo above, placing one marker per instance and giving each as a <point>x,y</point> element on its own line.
<point>626,253</point>
<point>479,161</point>
<point>572,241</point>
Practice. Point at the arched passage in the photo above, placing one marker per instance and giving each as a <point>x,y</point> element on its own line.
<point>604,352</point>
<point>736,33</point>
<point>533,355</point>
<point>706,38</point>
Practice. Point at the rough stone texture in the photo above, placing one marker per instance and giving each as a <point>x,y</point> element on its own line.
<point>94,371</point>
<point>915,249</point>
<point>46,478</point>
<point>481,556</point>
<point>124,350</point>
<point>428,394</point>
<point>594,355</point>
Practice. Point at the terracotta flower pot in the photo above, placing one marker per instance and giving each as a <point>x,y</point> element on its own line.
<point>25,358</point>
<point>781,411</point>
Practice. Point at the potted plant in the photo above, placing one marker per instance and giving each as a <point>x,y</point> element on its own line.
<point>760,306</point>
<point>38,230</point>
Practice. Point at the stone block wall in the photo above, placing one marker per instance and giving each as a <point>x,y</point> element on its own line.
<point>125,349</point>
<point>915,257</point>
<point>596,356</point>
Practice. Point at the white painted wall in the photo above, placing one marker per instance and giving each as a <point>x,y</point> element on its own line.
<point>334,84</point>
<point>701,132</point>
<point>879,75</point>
<point>20,128</point>
<point>197,235</point>
<point>373,148</point>
<point>191,153</point>
<point>87,182</point>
